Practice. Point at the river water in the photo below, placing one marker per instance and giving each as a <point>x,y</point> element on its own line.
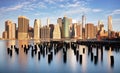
<point>83,61</point>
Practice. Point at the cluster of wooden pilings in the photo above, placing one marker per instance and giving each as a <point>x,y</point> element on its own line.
<point>50,49</point>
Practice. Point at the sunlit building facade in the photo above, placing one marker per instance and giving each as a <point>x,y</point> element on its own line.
<point>23,26</point>
<point>109,26</point>
<point>37,29</point>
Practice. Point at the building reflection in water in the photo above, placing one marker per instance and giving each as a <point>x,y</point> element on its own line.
<point>22,56</point>
<point>10,44</point>
<point>47,50</point>
<point>83,52</point>
<point>109,60</point>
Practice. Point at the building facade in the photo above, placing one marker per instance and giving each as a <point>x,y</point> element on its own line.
<point>109,26</point>
<point>37,29</point>
<point>23,26</point>
<point>65,27</point>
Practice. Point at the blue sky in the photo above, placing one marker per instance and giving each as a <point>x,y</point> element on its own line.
<point>42,9</point>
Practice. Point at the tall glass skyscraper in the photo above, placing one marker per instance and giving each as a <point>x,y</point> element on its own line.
<point>65,27</point>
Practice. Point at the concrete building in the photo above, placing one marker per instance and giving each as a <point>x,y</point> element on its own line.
<point>51,26</point>
<point>48,22</point>
<point>31,33</point>
<point>83,26</point>
<point>56,32</point>
<point>44,33</point>
<point>37,29</point>
<point>10,30</point>
<point>109,26</point>
<point>89,31</point>
<point>23,26</point>
<point>4,35</point>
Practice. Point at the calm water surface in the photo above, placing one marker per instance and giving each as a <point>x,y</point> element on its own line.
<point>59,62</point>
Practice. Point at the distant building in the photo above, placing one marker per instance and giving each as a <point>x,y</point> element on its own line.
<point>90,31</point>
<point>109,26</point>
<point>45,33</point>
<point>83,26</point>
<point>59,21</point>
<point>10,30</point>
<point>83,21</point>
<point>4,35</point>
<point>48,22</point>
<point>56,32</point>
<point>65,27</point>
<point>31,33</point>
<point>37,29</point>
<point>23,26</point>
<point>51,30</point>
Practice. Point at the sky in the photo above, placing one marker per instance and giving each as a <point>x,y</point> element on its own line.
<point>94,10</point>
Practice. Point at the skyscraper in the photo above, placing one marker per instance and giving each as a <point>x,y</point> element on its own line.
<point>83,26</point>
<point>59,21</point>
<point>48,22</point>
<point>36,29</point>
<point>65,27</point>
<point>23,26</point>
<point>56,32</point>
<point>83,21</point>
<point>109,26</point>
<point>89,31</point>
<point>10,30</point>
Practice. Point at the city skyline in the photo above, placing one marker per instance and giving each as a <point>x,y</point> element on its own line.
<point>53,9</point>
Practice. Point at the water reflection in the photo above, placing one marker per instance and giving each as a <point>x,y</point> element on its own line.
<point>67,52</point>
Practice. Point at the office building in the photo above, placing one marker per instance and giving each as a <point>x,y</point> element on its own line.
<point>10,30</point>
<point>65,27</point>
<point>56,32</point>
<point>44,33</point>
<point>89,31</point>
<point>23,26</point>
<point>109,26</point>
<point>37,29</point>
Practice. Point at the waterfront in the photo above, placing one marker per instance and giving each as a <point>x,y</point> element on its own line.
<point>58,58</point>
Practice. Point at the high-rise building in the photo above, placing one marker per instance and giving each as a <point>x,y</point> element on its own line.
<point>89,31</point>
<point>13,31</point>
<point>31,33</point>
<point>4,35</point>
<point>10,30</point>
<point>83,26</point>
<point>56,32</point>
<point>59,21</point>
<point>37,29</point>
<point>109,26</point>
<point>80,29</point>
<point>51,30</point>
<point>48,22</point>
<point>45,33</point>
<point>83,21</point>
<point>100,25</point>
<point>23,26</point>
<point>65,27</point>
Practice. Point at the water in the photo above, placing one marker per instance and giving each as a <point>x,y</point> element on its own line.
<point>63,61</point>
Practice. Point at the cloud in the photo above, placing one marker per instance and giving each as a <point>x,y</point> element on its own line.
<point>13,8</point>
<point>115,12</point>
<point>73,5</point>
<point>96,10</point>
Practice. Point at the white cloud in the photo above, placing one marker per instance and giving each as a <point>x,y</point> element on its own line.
<point>73,5</point>
<point>117,11</point>
<point>96,10</point>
